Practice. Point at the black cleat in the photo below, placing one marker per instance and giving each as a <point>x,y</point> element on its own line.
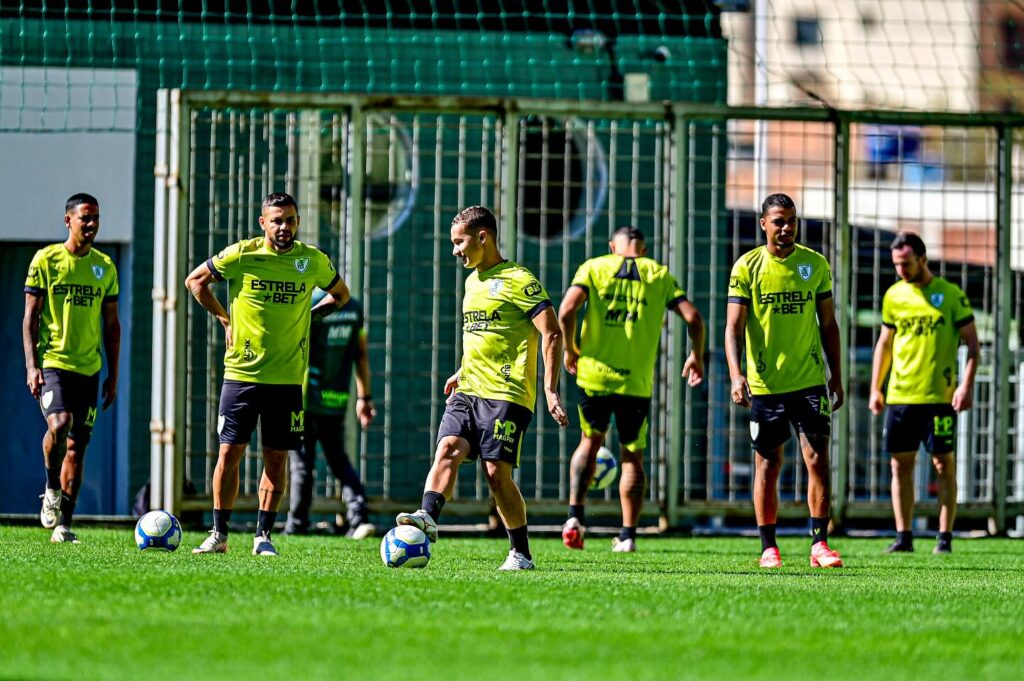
<point>943,548</point>
<point>899,547</point>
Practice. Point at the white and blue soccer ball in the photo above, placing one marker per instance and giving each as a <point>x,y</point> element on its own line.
<point>405,546</point>
<point>158,530</point>
<point>606,469</point>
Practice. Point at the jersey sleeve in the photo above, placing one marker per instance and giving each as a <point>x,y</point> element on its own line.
<point>327,276</point>
<point>963,313</point>
<point>582,279</point>
<point>35,281</point>
<point>530,297</point>
<point>225,264</point>
<point>887,318</point>
<point>675,293</point>
<point>824,290</point>
<point>739,284</point>
<point>113,287</point>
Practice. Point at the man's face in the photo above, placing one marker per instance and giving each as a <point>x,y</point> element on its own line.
<point>779,224</point>
<point>468,245</point>
<point>909,266</point>
<point>280,225</point>
<point>83,221</point>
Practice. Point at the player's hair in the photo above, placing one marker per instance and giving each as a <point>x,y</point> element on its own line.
<point>477,217</point>
<point>777,200</point>
<point>80,199</point>
<point>633,233</point>
<point>279,200</point>
<point>909,239</point>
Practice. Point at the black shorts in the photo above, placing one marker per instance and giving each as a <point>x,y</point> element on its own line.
<point>907,426</point>
<point>74,393</point>
<point>277,407</point>
<point>631,417</point>
<point>809,411</point>
<point>495,429</point>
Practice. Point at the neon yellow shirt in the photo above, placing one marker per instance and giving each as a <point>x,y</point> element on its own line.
<point>71,322</point>
<point>626,303</point>
<point>927,324</point>
<point>499,340</point>
<point>784,352</point>
<point>269,301</point>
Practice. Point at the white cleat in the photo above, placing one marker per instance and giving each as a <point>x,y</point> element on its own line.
<point>364,530</point>
<point>215,543</point>
<point>517,561</point>
<point>51,508</point>
<point>262,546</point>
<point>623,545</point>
<point>421,520</point>
<point>63,534</point>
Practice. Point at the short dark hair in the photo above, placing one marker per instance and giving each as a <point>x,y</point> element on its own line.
<point>777,200</point>
<point>909,239</point>
<point>279,200</point>
<point>633,233</point>
<point>477,217</point>
<point>80,199</point>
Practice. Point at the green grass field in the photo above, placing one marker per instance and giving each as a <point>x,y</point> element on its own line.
<point>679,609</point>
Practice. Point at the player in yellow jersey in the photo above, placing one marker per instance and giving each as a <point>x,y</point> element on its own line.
<point>780,306</point>
<point>270,284</point>
<point>924,319</point>
<point>70,312</point>
<point>492,395</point>
<point>626,294</point>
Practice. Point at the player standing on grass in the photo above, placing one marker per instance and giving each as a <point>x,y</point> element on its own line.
<point>924,318</point>
<point>780,305</point>
<point>627,295</point>
<point>493,393</point>
<point>70,310</point>
<point>270,284</point>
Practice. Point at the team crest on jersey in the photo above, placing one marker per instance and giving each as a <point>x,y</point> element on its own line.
<point>495,286</point>
<point>98,271</point>
<point>804,271</point>
<point>937,299</point>
<point>301,264</point>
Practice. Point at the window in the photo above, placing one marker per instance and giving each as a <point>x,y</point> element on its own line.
<point>807,32</point>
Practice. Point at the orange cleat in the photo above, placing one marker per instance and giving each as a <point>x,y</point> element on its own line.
<point>770,558</point>
<point>823,556</point>
<point>572,534</point>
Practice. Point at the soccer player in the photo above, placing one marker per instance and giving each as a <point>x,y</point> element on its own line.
<point>266,327</point>
<point>627,295</point>
<point>70,311</point>
<point>780,306</point>
<point>492,395</point>
<point>337,342</point>
<point>924,318</point>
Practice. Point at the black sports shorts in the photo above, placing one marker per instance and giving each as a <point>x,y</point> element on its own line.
<point>808,410</point>
<point>74,393</point>
<point>278,408</point>
<point>631,416</point>
<point>907,426</point>
<point>494,428</point>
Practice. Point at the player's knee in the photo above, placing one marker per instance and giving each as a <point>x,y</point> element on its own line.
<point>449,452</point>
<point>59,425</point>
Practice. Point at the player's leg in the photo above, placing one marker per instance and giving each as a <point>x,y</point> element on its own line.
<point>940,442</point>
<point>81,399</point>
<point>302,465</point>
<point>332,437</point>
<point>282,426</point>
<point>631,418</point>
<point>769,431</point>
<point>901,437</point>
<point>512,509</point>
<point>595,417</point>
<point>55,443</point>
<point>811,413</point>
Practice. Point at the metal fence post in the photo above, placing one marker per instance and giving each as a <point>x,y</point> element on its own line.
<point>845,305</point>
<point>1003,321</point>
<point>681,208</point>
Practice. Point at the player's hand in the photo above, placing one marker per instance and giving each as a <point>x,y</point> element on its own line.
<point>226,323</point>
<point>570,359</point>
<point>366,412</point>
<point>451,385</point>
<point>693,370</point>
<point>876,402</point>
<point>835,389</point>
<point>963,398</point>
<point>109,391</point>
<point>740,391</point>
<point>34,379</point>
<point>555,408</point>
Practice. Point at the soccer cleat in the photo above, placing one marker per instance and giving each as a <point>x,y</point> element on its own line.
<point>770,558</point>
<point>943,548</point>
<point>516,561</point>
<point>215,543</point>
<point>623,545</point>
<point>572,534</point>
<point>362,531</point>
<point>899,547</point>
<point>51,508</point>
<point>420,520</point>
<point>262,546</point>
<point>63,534</point>
<point>824,557</point>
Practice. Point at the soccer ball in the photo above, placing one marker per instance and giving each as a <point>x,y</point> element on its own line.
<point>606,470</point>
<point>158,530</point>
<point>405,546</point>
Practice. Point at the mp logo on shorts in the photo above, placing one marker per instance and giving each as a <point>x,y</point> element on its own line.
<point>298,421</point>
<point>937,299</point>
<point>90,417</point>
<point>98,271</point>
<point>505,431</point>
<point>301,264</point>
<point>804,271</point>
<point>943,426</point>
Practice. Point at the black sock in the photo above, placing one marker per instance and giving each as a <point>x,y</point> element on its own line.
<point>67,510</point>
<point>945,538</point>
<point>819,530</point>
<point>53,478</point>
<point>767,533</point>
<point>221,518</point>
<point>520,540</point>
<point>578,511</point>
<point>265,522</point>
<point>432,503</point>
<point>905,538</point>
<point>627,533</point>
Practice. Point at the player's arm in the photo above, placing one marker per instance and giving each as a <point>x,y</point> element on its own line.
<point>693,368</point>
<point>963,396</point>
<point>112,346</point>
<point>574,299</point>
<point>30,341</point>
<point>831,343</point>
<point>881,362</point>
<point>364,400</point>
<point>337,295</point>
<point>735,336</point>
<point>551,350</point>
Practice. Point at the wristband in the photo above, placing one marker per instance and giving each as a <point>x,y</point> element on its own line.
<point>365,398</point>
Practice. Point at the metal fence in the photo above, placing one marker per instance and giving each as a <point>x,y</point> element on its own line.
<point>378,180</point>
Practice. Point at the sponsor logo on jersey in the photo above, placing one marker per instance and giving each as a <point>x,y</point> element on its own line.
<point>479,320</point>
<point>919,325</point>
<point>301,264</point>
<point>937,299</point>
<point>98,271</point>
<point>77,294</point>
<point>247,354</point>
<point>804,271</point>
<point>786,302</point>
<point>532,289</point>
<point>495,286</point>
<point>278,291</point>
